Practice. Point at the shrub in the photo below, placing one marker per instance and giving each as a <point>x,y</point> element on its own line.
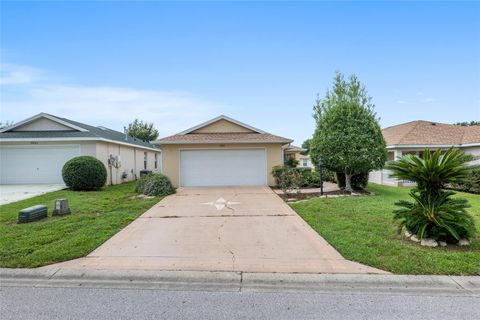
<point>329,175</point>
<point>434,213</point>
<point>311,179</point>
<point>154,184</point>
<point>359,181</point>
<point>441,218</point>
<point>305,177</point>
<point>471,185</point>
<point>292,162</point>
<point>288,179</point>
<point>84,173</point>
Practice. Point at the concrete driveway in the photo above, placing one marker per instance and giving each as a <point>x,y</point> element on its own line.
<point>16,192</point>
<point>220,229</point>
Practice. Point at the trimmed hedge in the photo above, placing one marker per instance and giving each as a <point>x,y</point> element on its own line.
<point>155,184</point>
<point>84,173</point>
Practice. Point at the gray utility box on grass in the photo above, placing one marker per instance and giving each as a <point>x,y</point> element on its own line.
<point>32,213</point>
<point>61,207</point>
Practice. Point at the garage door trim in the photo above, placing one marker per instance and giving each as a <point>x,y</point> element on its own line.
<point>217,149</point>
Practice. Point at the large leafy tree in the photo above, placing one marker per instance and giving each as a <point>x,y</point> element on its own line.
<point>142,130</point>
<point>348,137</point>
<point>306,146</point>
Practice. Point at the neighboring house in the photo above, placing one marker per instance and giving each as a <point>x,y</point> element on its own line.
<point>35,150</point>
<point>221,152</point>
<point>305,161</point>
<point>291,151</point>
<point>414,137</point>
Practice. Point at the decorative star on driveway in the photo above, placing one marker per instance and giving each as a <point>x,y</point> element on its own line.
<point>220,203</point>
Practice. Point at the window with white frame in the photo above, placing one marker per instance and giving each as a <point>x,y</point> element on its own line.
<point>156,160</point>
<point>305,163</point>
<point>145,160</point>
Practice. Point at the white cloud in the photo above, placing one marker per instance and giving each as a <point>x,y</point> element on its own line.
<point>13,74</point>
<point>109,106</point>
<point>419,93</point>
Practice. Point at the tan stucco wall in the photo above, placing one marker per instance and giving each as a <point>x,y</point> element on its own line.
<point>295,154</point>
<point>171,157</point>
<point>42,124</point>
<point>222,126</point>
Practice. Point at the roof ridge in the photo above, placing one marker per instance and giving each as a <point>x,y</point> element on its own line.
<point>401,124</point>
<point>418,121</point>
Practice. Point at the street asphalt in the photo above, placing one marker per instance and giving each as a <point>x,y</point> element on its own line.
<point>100,303</point>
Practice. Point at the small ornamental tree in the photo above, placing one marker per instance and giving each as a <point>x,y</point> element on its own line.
<point>142,130</point>
<point>434,212</point>
<point>348,137</point>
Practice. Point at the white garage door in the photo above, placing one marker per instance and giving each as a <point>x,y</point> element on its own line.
<point>233,167</point>
<point>34,164</point>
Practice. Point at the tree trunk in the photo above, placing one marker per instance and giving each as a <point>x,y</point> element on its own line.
<point>348,182</point>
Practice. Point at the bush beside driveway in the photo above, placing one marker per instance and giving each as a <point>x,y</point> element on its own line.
<point>362,229</point>
<point>96,216</point>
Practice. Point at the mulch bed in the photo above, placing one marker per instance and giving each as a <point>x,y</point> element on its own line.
<point>303,196</point>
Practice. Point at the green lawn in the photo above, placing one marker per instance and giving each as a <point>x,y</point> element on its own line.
<point>96,216</point>
<point>362,229</point>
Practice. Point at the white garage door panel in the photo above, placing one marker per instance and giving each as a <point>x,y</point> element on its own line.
<point>235,167</point>
<point>35,164</point>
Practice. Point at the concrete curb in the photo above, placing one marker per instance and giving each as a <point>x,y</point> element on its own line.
<point>238,281</point>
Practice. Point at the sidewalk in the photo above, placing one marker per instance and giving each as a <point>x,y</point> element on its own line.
<point>239,281</point>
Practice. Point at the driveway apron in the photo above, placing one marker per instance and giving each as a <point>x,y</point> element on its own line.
<point>249,229</point>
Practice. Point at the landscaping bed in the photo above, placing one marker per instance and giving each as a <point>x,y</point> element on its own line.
<point>297,196</point>
<point>362,229</point>
<point>96,216</point>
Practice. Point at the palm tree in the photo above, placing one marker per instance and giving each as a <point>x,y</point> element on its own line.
<point>434,213</point>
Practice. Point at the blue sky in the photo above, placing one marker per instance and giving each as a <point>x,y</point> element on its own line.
<point>178,64</point>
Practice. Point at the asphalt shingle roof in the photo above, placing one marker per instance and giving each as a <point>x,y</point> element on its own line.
<point>93,132</point>
<point>222,138</point>
<point>430,133</point>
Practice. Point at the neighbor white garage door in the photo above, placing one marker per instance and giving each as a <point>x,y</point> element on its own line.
<point>34,164</point>
<point>232,167</point>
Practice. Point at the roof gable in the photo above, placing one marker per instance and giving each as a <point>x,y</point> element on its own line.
<point>222,124</point>
<point>43,122</point>
<point>222,130</point>
<point>46,127</point>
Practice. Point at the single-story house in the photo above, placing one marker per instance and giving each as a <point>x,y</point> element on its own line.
<point>305,161</point>
<point>221,152</point>
<point>33,151</point>
<point>295,152</point>
<point>414,137</point>
<point>292,151</point>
